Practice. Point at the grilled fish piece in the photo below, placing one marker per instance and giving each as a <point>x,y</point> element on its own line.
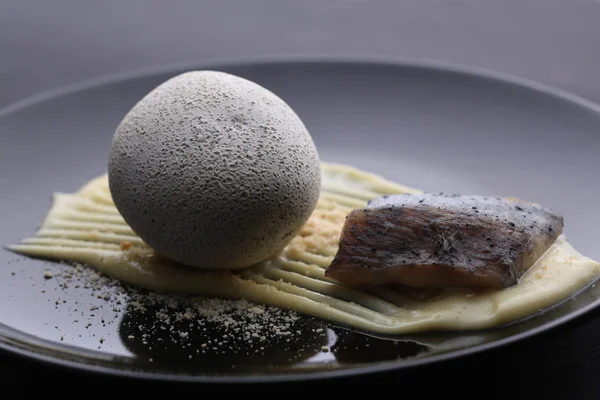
<point>438,241</point>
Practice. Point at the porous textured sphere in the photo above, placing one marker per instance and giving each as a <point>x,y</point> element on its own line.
<point>214,171</point>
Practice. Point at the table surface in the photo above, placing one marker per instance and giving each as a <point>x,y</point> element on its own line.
<point>44,45</point>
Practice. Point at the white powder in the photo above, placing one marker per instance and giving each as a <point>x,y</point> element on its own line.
<point>155,318</point>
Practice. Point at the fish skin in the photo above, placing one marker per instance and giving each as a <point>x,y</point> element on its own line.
<point>437,241</point>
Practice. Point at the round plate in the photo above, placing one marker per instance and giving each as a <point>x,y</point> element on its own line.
<point>433,127</point>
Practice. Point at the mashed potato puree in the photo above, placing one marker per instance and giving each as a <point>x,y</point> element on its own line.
<point>86,227</point>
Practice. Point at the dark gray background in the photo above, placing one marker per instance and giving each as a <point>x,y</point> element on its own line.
<point>46,44</point>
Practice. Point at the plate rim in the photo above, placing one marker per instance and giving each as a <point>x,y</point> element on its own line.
<point>431,65</point>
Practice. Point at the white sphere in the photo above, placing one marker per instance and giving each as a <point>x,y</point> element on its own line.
<point>214,171</point>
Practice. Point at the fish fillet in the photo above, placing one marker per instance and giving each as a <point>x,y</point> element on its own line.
<point>439,240</point>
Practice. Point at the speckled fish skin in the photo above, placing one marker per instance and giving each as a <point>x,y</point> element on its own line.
<point>443,240</point>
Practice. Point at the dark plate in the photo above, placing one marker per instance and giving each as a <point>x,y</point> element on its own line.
<point>433,127</point>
